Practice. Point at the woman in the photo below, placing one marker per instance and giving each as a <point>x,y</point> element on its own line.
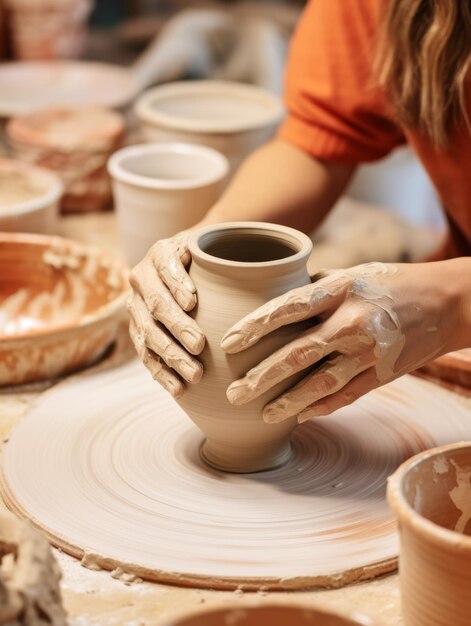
<point>363,78</point>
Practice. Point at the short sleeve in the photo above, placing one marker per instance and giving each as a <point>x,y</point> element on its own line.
<point>335,110</point>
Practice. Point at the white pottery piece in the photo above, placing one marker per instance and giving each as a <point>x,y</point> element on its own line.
<point>431,496</point>
<point>162,189</point>
<point>232,118</point>
<point>237,267</point>
<point>29,198</point>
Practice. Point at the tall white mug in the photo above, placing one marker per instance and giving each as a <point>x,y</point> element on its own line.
<point>162,189</point>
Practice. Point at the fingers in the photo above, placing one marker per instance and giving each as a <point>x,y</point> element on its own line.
<point>156,339</point>
<point>357,387</point>
<point>328,379</point>
<point>159,371</point>
<point>304,351</point>
<point>295,306</point>
<point>170,258</point>
<point>163,308</point>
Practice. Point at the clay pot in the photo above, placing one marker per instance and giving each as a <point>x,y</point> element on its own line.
<point>237,267</point>
<point>162,189</point>
<point>29,198</point>
<point>76,143</point>
<point>61,303</point>
<point>232,118</point>
<point>48,29</point>
<point>431,496</point>
<point>272,614</point>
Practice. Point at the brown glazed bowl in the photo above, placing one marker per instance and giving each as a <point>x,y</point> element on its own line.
<point>431,496</point>
<point>60,306</point>
<point>272,614</point>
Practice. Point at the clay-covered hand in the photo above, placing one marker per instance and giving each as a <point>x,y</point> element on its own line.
<point>370,324</point>
<point>164,336</point>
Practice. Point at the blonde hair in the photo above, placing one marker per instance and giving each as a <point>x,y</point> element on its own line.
<point>423,64</point>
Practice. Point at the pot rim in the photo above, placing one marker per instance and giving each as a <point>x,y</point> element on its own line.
<point>146,110</point>
<point>303,241</point>
<point>407,515</point>
<point>179,616</point>
<point>118,172</point>
<point>41,202</point>
<point>102,313</point>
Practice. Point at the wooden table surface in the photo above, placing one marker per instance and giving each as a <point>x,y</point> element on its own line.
<point>95,598</point>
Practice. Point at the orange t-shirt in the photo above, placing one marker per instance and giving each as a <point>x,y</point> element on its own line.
<point>336,113</point>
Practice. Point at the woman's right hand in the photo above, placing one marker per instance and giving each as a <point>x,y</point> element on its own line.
<point>164,336</point>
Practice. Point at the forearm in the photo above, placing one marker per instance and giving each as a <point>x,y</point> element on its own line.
<point>280,183</point>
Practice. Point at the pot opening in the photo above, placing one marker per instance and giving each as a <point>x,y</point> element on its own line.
<point>438,489</point>
<point>249,246</point>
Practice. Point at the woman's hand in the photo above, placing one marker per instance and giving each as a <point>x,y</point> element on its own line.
<point>370,324</point>
<point>163,291</point>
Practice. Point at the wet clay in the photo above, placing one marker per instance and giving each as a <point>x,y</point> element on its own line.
<point>17,187</point>
<point>118,479</point>
<point>29,577</point>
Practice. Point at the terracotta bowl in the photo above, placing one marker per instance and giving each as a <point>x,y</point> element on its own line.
<point>431,496</point>
<point>29,198</point>
<point>270,614</point>
<point>76,143</point>
<point>453,368</point>
<point>60,306</point>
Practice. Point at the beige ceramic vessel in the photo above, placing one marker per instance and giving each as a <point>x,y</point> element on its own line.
<point>257,613</point>
<point>29,198</point>
<point>236,268</point>
<point>48,29</point>
<point>162,189</point>
<point>431,496</point>
<point>76,143</point>
<point>60,306</point>
<point>232,118</point>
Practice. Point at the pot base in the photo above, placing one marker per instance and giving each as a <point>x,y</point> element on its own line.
<point>245,461</point>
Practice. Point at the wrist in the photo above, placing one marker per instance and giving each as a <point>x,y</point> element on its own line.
<point>458,287</point>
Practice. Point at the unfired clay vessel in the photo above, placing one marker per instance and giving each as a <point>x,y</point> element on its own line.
<point>29,198</point>
<point>431,496</point>
<point>60,306</point>
<point>230,117</point>
<point>76,143</point>
<point>162,189</point>
<point>236,268</point>
<point>48,29</point>
<point>257,613</point>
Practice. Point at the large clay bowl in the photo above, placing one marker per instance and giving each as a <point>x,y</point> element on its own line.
<point>272,614</point>
<point>431,496</point>
<point>60,306</point>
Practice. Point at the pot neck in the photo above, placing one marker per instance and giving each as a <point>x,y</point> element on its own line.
<point>250,251</point>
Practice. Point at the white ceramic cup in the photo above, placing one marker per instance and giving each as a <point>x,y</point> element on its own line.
<point>232,118</point>
<point>38,214</point>
<point>162,189</point>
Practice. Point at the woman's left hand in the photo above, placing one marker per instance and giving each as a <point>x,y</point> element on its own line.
<point>370,324</point>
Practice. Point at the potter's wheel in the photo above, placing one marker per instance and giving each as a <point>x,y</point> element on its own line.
<point>108,465</point>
